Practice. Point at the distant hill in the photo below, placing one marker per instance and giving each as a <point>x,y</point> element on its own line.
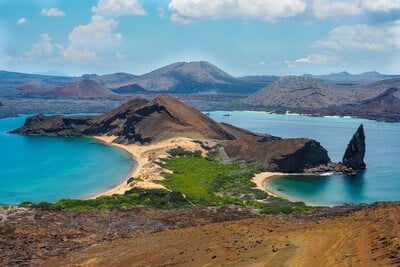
<point>345,78</point>
<point>378,100</point>
<point>14,84</point>
<point>192,77</point>
<point>130,89</point>
<point>301,92</point>
<point>36,87</point>
<point>114,80</point>
<point>384,107</point>
<point>82,89</point>
<point>180,77</point>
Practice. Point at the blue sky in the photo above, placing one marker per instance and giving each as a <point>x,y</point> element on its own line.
<point>243,37</point>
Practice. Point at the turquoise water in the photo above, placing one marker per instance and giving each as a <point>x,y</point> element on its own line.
<point>50,168</point>
<point>381,180</point>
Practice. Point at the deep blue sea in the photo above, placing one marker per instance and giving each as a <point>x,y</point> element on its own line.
<point>50,168</point>
<point>381,180</point>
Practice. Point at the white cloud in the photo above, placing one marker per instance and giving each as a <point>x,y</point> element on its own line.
<point>96,37</point>
<point>81,55</point>
<point>364,37</point>
<point>116,8</point>
<point>22,21</point>
<point>342,8</point>
<point>267,10</point>
<point>43,47</point>
<point>316,59</point>
<point>52,12</point>
<point>331,8</point>
<point>380,5</point>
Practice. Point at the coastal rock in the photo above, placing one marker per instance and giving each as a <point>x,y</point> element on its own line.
<point>355,151</point>
<point>54,126</point>
<point>293,155</point>
<point>164,117</point>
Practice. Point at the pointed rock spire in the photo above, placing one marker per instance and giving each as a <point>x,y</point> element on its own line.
<point>355,152</point>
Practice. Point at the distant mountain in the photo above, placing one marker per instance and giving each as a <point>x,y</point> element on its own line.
<point>14,83</point>
<point>263,80</point>
<point>192,77</point>
<point>115,80</point>
<point>130,89</point>
<point>36,87</point>
<point>301,92</point>
<point>373,74</point>
<point>345,78</point>
<point>82,89</point>
<point>385,106</point>
<point>378,100</point>
<point>342,73</point>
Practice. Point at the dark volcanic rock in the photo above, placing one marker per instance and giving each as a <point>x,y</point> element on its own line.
<point>355,152</point>
<point>163,118</point>
<point>292,155</point>
<point>54,126</point>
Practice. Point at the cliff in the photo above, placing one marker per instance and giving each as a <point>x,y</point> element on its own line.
<point>164,117</point>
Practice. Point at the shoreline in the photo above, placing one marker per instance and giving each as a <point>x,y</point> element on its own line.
<point>260,178</point>
<point>147,172</point>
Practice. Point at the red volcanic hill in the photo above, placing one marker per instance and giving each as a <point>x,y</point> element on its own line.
<point>82,89</point>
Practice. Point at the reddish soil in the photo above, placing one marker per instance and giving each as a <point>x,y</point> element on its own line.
<point>366,235</point>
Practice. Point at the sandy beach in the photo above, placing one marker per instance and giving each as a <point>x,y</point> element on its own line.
<point>147,171</point>
<point>260,178</point>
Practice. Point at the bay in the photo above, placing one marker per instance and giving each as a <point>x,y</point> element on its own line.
<point>381,180</point>
<point>40,169</point>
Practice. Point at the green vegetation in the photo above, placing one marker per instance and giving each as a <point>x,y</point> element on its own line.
<point>208,182</point>
<point>195,181</point>
<point>158,198</point>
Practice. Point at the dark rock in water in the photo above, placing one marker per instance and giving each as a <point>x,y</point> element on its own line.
<point>355,152</point>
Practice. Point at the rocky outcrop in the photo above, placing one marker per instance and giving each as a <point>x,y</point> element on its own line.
<point>293,155</point>
<point>355,151</point>
<point>146,121</point>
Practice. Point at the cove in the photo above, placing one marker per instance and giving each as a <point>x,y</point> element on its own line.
<point>381,180</point>
<point>37,169</point>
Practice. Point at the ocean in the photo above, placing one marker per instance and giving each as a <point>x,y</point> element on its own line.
<point>51,168</point>
<point>381,180</point>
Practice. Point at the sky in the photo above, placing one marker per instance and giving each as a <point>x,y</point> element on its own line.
<point>242,37</point>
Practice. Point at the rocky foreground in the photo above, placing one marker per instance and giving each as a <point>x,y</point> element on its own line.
<point>366,235</point>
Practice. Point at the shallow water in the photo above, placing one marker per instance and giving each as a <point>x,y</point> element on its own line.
<point>50,168</point>
<point>381,180</point>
